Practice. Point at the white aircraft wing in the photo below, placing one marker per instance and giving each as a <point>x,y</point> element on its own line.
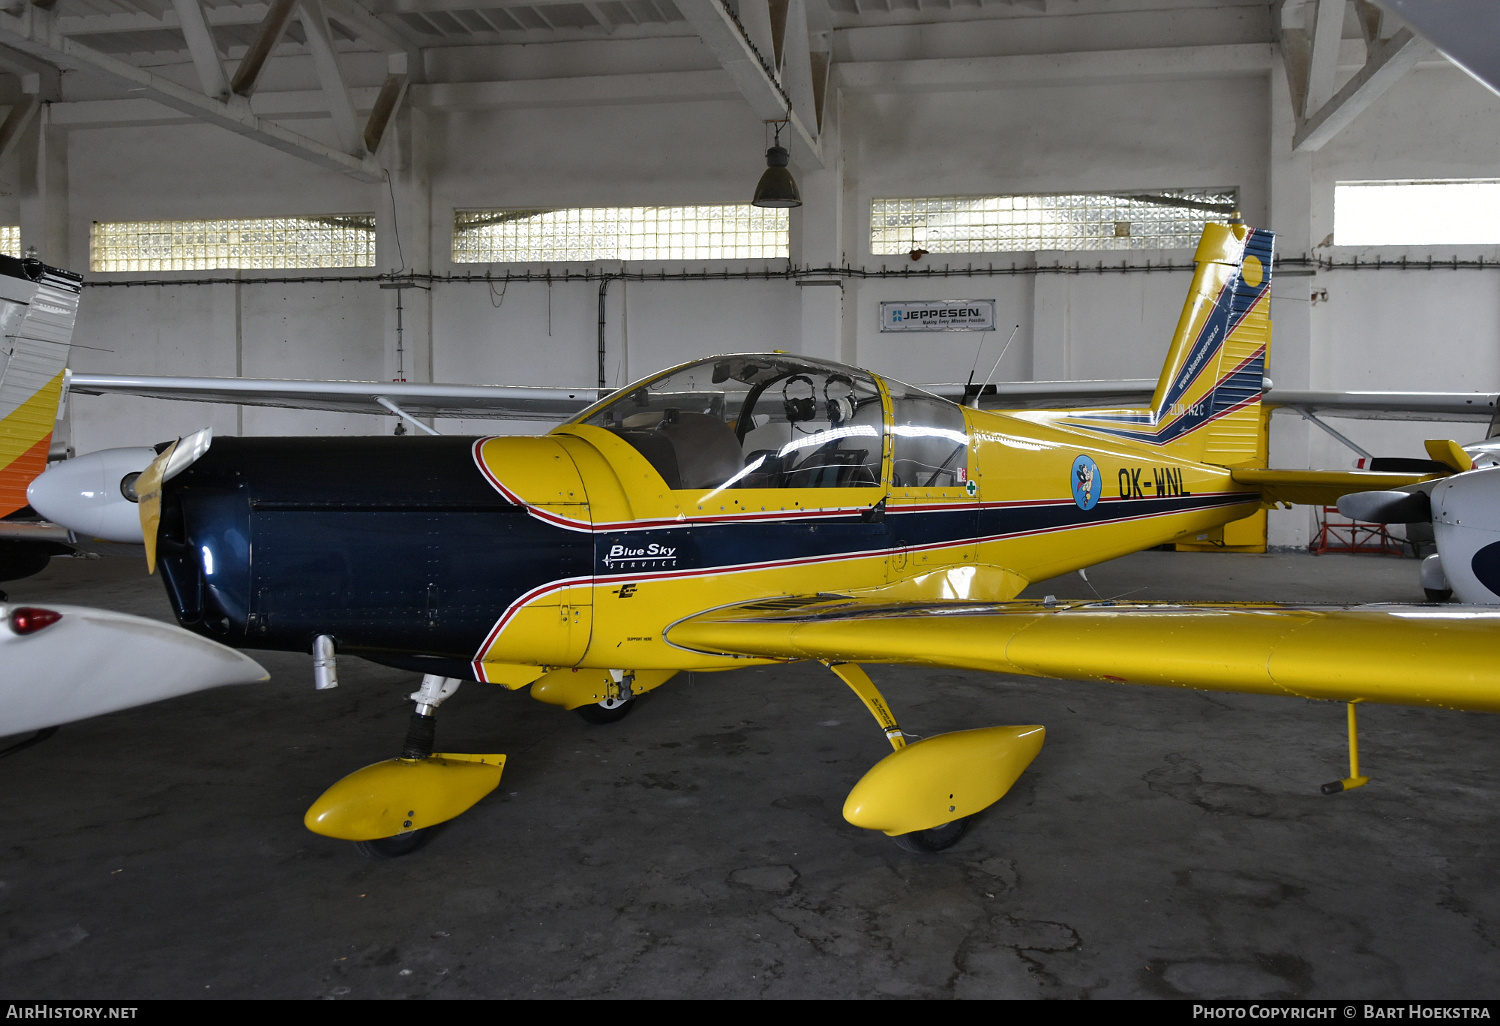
<point>1425,406</point>
<point>1039,394</point>
<point>64,663</point>
<point>1387,405</point>
<point>1464,30</point>
<point>518,402</point>
<point>525,402</point>
<point>510,402</point>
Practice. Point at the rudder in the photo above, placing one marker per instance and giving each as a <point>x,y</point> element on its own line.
<point>1207,402</point>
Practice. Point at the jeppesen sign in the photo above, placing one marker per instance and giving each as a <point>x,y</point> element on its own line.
<point>938,315</point>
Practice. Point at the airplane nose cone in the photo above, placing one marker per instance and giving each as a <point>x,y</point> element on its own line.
<point>88,494</point>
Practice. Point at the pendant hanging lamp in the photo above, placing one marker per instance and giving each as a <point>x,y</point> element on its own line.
<point>777,187</point>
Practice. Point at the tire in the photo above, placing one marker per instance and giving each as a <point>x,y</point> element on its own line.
<point>395,847</point>
<point>611,710</point>
<point>928,842</point>
<point>1438,595</point>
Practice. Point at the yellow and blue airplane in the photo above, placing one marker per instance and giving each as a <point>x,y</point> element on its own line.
<point>764,508</point>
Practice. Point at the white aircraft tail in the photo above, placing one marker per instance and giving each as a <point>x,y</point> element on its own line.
<point>38,307</point>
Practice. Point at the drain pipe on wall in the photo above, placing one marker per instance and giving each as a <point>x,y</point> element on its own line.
<point>603,291</point>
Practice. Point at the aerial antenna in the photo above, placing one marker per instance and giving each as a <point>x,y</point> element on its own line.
<point>974,403</point>
<point>984,337</point>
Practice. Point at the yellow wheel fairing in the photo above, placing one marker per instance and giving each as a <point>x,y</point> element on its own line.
<point>943,778</point>
<point>398,795</point>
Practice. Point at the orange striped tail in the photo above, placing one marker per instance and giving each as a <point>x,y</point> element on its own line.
<point>38,306</point>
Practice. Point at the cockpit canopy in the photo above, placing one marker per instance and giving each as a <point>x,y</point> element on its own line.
<point>776,421</point>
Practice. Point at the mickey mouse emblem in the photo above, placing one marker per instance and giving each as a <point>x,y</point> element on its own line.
<point>1085,482</point>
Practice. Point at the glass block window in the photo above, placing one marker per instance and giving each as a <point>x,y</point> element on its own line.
<point>10,239</point>
<point>1008,224</point>
<point>1416,213</point>
<point>739,232</point>
<point>335,240</point>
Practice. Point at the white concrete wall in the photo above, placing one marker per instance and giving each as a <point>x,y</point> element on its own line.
<point>1379,330</point>
<point>1397,330</point>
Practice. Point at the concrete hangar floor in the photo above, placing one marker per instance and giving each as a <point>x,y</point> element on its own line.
<point>1164,844</point>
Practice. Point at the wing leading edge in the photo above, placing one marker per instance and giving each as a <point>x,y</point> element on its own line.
<point>1402,655</point>
<point>511,402</point>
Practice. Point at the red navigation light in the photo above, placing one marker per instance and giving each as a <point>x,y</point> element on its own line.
<point>30,619</point>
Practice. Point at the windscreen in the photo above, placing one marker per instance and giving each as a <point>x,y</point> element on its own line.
<point>754,422</point>
<point>930,447</point>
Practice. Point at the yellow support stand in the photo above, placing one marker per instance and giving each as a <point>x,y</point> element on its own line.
<point>1353,779</point>
<point>859,681</point>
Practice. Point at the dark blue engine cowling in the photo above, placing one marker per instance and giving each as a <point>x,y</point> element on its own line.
<point>397,547</point>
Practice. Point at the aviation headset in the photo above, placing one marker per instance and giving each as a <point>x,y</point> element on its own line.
<point>841,408</point>
<point>802,407</point>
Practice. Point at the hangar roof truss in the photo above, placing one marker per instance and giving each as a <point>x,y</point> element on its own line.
<point>244,64</point>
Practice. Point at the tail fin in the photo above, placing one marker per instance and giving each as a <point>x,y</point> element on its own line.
<point>1207,402</point>
<point>38,305</point>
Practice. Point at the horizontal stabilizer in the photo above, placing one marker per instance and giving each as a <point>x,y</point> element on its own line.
<point>1322,487</point>
<point>1456,406</point>
<point>1407,655</point>
<point>1449,453</point>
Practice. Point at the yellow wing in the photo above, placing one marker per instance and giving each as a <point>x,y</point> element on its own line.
<point>1403,655</point>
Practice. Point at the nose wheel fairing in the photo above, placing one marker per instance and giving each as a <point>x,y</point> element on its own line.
<point>398,796</point>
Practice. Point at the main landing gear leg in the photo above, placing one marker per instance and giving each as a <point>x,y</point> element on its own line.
<point>927,841</point>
